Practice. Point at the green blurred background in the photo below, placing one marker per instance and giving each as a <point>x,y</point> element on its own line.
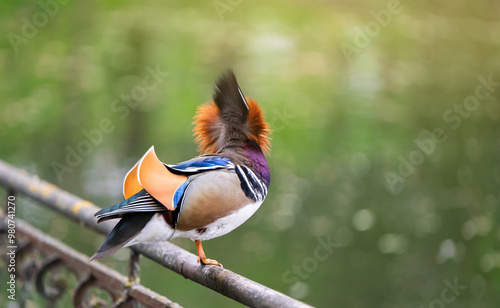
<point>347,86</point>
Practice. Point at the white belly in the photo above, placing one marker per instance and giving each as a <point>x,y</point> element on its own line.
<point>223,225</point>
<point>158,230</point>
<point>155,230</point>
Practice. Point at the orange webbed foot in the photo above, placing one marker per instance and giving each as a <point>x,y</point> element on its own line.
<point>202,258</point>
<point>206,261</point>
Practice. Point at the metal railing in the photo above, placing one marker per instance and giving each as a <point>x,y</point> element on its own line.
<point>124,291</point>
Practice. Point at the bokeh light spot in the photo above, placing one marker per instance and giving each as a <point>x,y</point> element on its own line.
<point>363,220</point>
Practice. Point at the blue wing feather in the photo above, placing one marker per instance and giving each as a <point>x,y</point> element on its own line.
<point>179,193</point>
<point>202,164</point>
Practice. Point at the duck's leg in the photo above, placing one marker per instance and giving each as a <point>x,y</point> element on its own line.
<point>201,256</point>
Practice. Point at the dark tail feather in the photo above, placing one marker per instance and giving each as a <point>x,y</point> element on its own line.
<point>129,226</point>
<point>230,100</point>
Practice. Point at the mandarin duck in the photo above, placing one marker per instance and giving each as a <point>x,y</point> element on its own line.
<point>207,196</point>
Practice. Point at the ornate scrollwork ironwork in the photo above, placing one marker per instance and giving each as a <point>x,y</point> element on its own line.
<point>50,281</point>
<point>83,294</point>
<point>47,266</point>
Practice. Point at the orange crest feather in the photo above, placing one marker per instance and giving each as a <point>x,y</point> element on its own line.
<point>258,128</point>
<point>208,128</point>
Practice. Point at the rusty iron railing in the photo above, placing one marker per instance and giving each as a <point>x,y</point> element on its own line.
<point>124,291</point>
